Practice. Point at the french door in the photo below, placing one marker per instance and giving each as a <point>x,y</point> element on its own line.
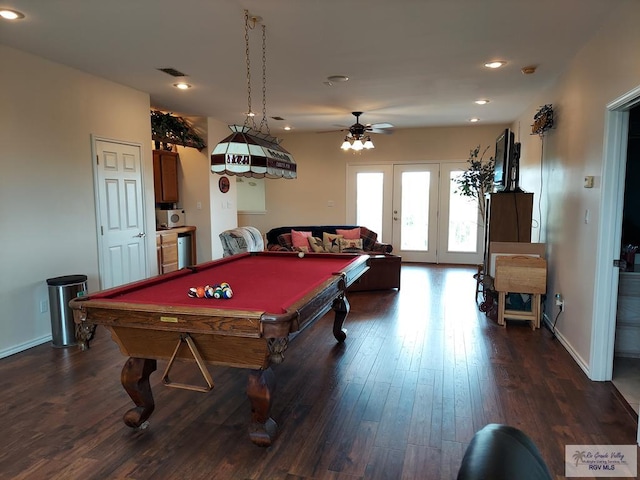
<point>416,207</point>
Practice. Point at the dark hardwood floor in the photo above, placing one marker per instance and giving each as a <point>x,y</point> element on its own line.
<point>421,370</point>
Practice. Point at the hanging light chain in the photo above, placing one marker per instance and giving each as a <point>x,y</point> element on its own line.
<point>264,82</point>
<point>249,117</point>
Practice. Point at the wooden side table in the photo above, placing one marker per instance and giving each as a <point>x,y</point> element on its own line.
<point>520,274</point>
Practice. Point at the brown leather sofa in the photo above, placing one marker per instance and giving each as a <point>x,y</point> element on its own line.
<point>384,268</point>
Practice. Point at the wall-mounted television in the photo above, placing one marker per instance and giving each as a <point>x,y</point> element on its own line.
<point>507,159</point>
<point>502,159</point>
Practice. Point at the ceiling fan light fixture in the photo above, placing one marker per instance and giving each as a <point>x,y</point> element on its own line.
<point>358,138</point>
<point>368,144</point>
<point>357,145</point>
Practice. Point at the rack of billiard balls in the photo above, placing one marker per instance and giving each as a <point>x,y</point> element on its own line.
<point>218,291</point>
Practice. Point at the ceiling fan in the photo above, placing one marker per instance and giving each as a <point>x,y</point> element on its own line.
<point>358,130</point>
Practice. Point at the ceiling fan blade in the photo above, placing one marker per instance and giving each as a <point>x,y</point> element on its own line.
<point>384,131</point>
<point>334,131</point>
<point>380,125</point>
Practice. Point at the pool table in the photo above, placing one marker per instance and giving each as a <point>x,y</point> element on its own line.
<point>275,295</point>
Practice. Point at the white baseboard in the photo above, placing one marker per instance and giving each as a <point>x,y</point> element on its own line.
<point>24,346</point>
<point>568,347</point>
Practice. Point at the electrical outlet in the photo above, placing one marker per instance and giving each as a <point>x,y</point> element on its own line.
<point>559,301</point>
<point>44,306</point>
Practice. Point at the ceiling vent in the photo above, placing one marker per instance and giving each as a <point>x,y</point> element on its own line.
<point>172,71</point>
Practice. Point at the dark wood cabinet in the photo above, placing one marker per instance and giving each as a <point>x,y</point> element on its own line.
<point>509,217</point>
<point>165,176</point>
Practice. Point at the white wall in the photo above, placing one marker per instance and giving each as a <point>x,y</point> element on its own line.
<point>193,180</point>
<point>606,68</point>
<point>47,208</point>
<point>224,206</point>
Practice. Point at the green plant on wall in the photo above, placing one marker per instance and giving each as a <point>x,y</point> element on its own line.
<point>170,129</point>
<point>477,180</point>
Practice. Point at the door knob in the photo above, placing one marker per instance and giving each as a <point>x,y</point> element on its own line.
<point>140,235</point>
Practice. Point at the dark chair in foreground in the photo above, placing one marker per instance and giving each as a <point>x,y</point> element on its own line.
<point>501,452</point>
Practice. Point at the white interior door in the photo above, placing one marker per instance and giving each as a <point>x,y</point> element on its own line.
<point>460,232</point>
<point>120,204</point>
<point>415,212</point>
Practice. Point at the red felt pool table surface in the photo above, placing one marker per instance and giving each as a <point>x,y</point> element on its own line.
<point>269,282</point>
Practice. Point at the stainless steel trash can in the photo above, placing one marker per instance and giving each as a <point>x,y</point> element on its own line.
<point>61,291</point>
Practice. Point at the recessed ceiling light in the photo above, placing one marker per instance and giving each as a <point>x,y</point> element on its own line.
<point>495,64</point>
<point>287,128</point>
<point>474,120</point>
<point>338,78</point>
<point>482,101</point>
<point>11,14</point>
<point>182,85</point>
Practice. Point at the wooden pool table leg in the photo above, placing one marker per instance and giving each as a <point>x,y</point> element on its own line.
<point>135,380</point>
<point>260,389</point>
<point>341,307</point>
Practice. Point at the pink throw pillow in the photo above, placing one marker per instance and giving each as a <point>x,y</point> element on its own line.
<point>352,234</point>
<point>300,239</point>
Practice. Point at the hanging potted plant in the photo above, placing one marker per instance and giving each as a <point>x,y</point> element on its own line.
<point>477,180</point>
<point>167,129</point>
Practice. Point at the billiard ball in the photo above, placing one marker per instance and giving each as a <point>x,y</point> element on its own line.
<point>193,292</point>
<point>301,254</point>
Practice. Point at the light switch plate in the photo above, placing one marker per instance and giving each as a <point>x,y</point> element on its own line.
<point>588,181</point>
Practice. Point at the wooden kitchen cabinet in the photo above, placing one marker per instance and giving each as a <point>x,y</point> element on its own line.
<point>165,176</point>
<point>167,248</point>
<point>168,251</point>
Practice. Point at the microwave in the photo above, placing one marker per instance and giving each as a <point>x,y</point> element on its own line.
<point>170,218</point>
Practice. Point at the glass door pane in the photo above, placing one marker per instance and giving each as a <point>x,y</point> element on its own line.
<point>461,232</point>
<point>415,212</point>
<point>463,216</point>
<point>414,208</point>
<point>369,198</point>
